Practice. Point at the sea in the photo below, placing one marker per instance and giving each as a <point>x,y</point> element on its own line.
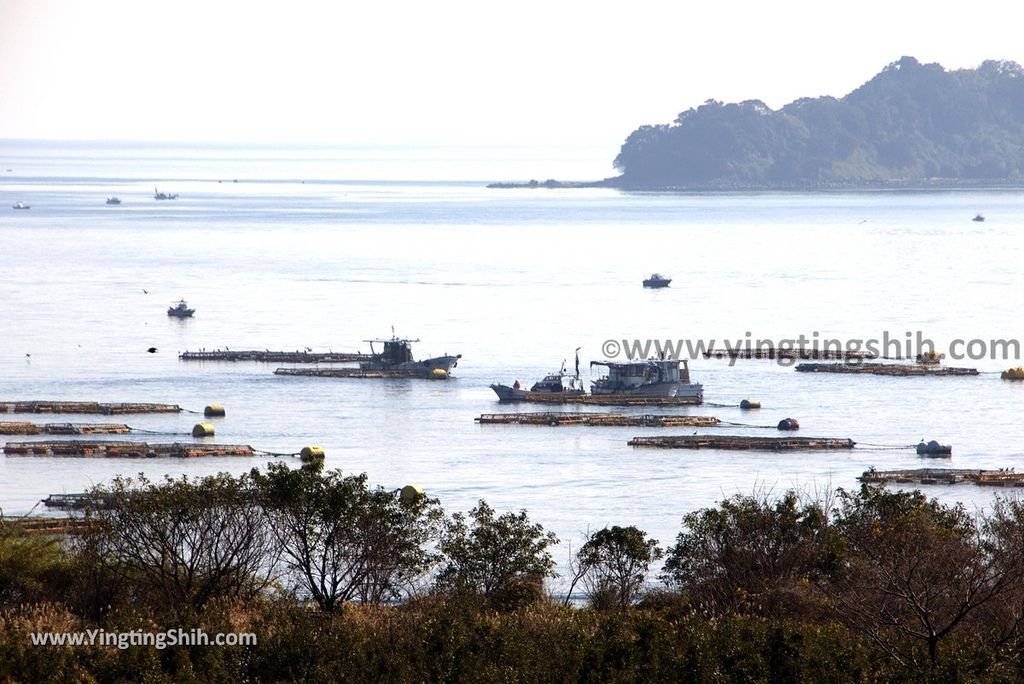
<point>288,248</point>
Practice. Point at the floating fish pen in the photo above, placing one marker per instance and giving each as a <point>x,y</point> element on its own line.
<point>27,428</point>
<point>120,449</point>
<point>883,369</point>
<point>922,476</point>
<point>361,373</point>
<point>607,399</point>
<point>106,409</point>
<point>596,419</point>
<point>75,502</point>
<point>792,354</point>
<point>275,356</point>
<point>947,476</point>
<point>736,442</point>
<point>52,526</point>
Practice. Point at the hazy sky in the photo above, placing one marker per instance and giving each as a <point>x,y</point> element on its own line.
<point>449,72</point>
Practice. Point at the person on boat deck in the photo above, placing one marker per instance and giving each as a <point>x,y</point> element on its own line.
<point>516,385</point>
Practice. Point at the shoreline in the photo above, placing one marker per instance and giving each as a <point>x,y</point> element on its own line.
<point>618,183</point>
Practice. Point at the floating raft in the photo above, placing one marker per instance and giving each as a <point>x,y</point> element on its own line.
<point>803,354</point>
<point>84,407</point>
<point>275,356</point>
<point>596,419</point>
<point>52,526</point>
<point>27,428</point>
<point>352,373</point>
<point>89,449</point>
<point>947,476</point>
<point>74,502</point>
<point>607,399</point>
<point>742,442</point>
<point>883,369</point>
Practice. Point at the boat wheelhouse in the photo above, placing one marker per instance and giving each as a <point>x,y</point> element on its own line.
<point>648,378</point>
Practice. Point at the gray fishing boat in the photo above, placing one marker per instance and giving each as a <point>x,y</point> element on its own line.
<point>180,310</point>
<point>396,355</point>
<point>550,386</point>
<point>657,280</point>
<point>650,378</point>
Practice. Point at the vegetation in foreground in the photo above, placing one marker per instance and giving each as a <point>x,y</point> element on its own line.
<point>340,581</point>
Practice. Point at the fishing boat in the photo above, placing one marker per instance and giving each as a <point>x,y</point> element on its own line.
<point>163,195</point>
<point>657,280</point>
<point>978,218</point>
<point>396,355</point>
<point>649,378</point>
<point>549,387</point>
<point>21,205</point>
<point>180,310</point>
<point>113,200</point>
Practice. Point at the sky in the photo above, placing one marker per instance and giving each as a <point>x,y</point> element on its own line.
<point>449,72</point>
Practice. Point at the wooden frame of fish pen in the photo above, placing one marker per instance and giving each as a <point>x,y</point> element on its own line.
<point>85,407</point>
<point>789,354</point>
<point>945,476</point>
<point>596,419</point>
<point>355,373</point>
<point>892,369</point>
<point>122,449</point>
<point>741,442</point>
<point>268,356</point>
<point>29,428</point>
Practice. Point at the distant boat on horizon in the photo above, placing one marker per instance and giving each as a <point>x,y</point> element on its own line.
<point>163,195</point>
<point>21,205</point>
<point>979,218</point>
<point>113,200</point>
<point>657,280</point>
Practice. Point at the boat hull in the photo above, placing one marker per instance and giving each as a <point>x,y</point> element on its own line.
<point>506,393</point>
<point>426,366</point>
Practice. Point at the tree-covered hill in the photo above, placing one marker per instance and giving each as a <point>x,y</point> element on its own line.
<point>912,124</point>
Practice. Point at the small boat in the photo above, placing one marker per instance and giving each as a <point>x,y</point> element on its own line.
<point>163,195</point>
<point>180,310</point>
<point>113,200</point>
<point>978,218</point>
<point>396,355</point>
<point>21,205</point>
<point>657,280</point>
<point>560,383</point>
<point>650,378</point>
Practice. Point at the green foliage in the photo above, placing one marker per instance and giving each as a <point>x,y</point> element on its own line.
<point>505,559</point>
<point>32,567</point>
<point>342,540</point>
<point>752,553</point>
<point>912,122</point>
<point>613,565</point>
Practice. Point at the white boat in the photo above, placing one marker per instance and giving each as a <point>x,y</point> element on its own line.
<point>21,205</point>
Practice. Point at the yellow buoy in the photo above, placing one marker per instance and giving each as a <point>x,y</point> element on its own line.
<point>410,493</point>
<point>312,453</point>
<point>439,374</point>
<point>1013,373</point>
<point>214,411</point>
<point>750,404</point>
<point>202,430</point>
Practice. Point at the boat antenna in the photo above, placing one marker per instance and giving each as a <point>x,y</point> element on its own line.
<point>577,363</point>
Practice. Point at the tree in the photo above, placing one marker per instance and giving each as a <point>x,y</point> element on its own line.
<point>613,565</point>
<point>344,541</point>
<point>505,559</point>
<point>915,569</point>
<point>751,553</point>
<point>183,542</point>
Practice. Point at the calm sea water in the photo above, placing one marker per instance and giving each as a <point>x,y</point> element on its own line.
<point>286,249</point>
